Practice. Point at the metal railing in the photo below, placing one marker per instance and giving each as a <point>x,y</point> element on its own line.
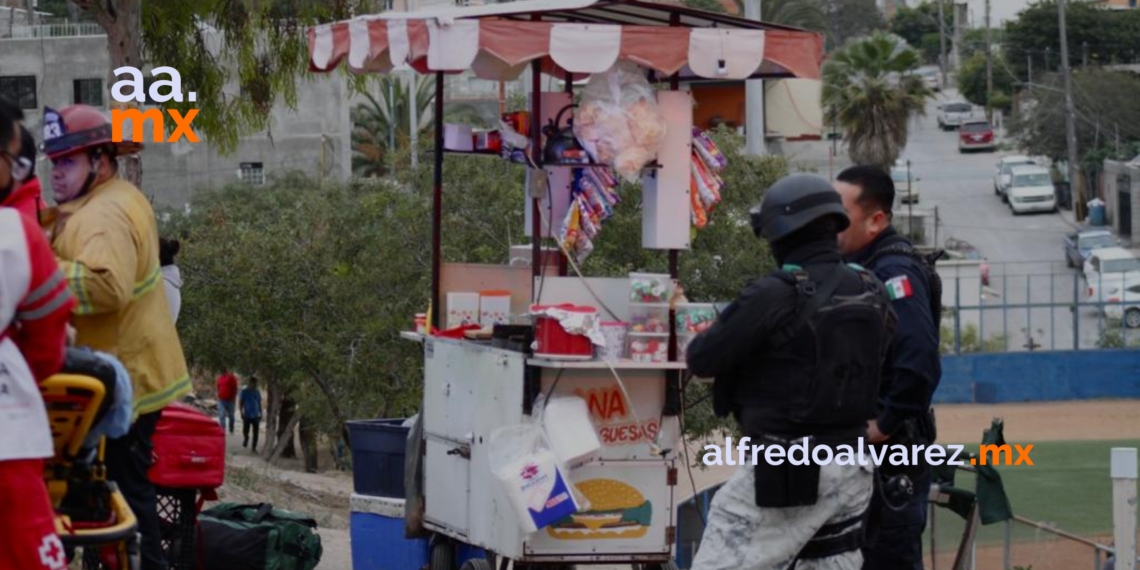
<point>1033,306</point>
<point>26,32</point>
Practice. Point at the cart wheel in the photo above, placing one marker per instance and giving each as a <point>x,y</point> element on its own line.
<point>477,564</point>
<point>442,556</point>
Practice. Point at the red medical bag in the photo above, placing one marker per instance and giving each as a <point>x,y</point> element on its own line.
<point>189,449</point>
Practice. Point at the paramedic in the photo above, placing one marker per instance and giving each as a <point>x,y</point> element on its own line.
<point>35,305</point>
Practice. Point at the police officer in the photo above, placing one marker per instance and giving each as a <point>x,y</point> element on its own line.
<point>912,371</point>
<point>797,355</point>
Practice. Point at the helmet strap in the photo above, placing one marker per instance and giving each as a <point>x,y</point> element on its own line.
<point>93,155</point>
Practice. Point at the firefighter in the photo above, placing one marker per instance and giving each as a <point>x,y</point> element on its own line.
<point>106,236</point>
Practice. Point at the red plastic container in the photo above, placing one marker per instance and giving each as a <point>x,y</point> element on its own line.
<point>189,449</point>
<point>552,341</point>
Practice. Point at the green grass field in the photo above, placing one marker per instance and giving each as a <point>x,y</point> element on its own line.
<point>1067,487</point>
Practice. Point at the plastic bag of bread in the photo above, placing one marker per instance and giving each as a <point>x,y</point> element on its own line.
<point>618,121</point>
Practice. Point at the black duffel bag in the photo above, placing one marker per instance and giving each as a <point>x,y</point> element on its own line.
<point>258,537</point>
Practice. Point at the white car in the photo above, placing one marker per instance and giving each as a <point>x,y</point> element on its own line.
<point>1107,270</point>
<point>951,114</point>
<point>1031,190</point>
<point>1003,176</point>
<point>1123,298</point>
<point>905,189</point>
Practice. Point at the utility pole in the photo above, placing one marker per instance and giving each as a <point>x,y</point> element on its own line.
<point>989,68</point>
<point>942,39</point>
<point>1030,59</point>
<point>1075,185</point>
<point>957,47</point>
<point>754,99</point>
<point>1084,54</point>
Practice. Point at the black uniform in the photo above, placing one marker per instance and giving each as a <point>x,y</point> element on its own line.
<point>797,355</point>
<point>910,376</point>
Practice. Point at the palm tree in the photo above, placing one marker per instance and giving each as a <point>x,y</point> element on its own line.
<point>382,126</point>
<point>871,94</point>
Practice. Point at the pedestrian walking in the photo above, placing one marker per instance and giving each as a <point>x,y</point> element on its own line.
<point>227,395</point>
<point>250,402</point>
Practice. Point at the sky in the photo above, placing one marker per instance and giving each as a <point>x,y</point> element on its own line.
<point>1000,10</point>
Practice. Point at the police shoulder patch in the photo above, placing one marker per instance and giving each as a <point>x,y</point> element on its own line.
<point>899,287</point>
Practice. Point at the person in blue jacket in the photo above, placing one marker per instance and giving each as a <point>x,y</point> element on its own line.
<point>250,403</point>
<point>911,372</point>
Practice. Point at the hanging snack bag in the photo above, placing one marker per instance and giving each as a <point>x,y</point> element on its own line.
<point>618,121</point>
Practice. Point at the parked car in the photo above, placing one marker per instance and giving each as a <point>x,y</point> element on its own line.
<point>1002,174</point>
<point>906,190</point>
<point>1080,245</point>
<point>1031,190</point>
<point>1123,298</point>
<point>1106,271</point>
<point>930,77</point>
<point>951,114</point>
<point>976,134</point>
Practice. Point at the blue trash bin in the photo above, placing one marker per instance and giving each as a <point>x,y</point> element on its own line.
<point>378,450</point>
<point>1096,213</point>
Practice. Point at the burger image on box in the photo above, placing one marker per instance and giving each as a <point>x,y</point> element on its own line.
<point>617,510</point>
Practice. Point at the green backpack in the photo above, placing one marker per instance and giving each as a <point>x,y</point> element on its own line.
<point>258,537</point>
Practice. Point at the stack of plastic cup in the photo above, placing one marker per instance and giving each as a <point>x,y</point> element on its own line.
<point>614,332</point>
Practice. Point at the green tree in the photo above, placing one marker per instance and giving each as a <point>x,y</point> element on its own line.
<point>850,19</point>
<point>912,24</point>
<point>972,82</point>
<point>257,45</point>
<point>1105,107</point>
<point>706,5</point>
<point>1111,36</point>
<point>869,92</point>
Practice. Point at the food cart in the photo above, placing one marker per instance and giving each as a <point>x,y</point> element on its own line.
<point>473,387</point>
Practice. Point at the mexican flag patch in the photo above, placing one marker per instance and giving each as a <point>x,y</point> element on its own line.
<point>899,288</point>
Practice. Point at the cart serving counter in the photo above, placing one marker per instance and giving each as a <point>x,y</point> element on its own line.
<point>472,388</point>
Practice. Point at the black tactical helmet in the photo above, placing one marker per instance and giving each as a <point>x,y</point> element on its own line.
<point>795,201</point>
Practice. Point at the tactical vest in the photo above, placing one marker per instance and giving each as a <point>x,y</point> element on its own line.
<point>821,371</point>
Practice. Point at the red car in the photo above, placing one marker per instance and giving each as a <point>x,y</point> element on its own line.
<point>976,134</point>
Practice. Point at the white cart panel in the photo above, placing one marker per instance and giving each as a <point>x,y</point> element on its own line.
<point>632,514</point>
<point>446,502</point>
<point>613,415</point>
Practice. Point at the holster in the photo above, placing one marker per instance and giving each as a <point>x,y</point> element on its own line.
<point>786,485</point>
<point>919,430</point>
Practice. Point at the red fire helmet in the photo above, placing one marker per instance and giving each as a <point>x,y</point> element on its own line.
<point>78,128</point>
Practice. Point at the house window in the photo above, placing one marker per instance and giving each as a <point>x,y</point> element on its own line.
<point>252,173</point>
<point>20,89</point>
<point>88,92</point>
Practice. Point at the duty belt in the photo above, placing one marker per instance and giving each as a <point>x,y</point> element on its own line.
<point>834,539</point>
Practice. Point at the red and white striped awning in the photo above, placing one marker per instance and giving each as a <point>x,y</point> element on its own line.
<point>579,37</point>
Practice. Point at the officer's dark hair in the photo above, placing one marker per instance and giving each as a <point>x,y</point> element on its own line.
<point>28,151</point>
<point>876,188</point>
<point>167,249</point>
<point>10,114</point>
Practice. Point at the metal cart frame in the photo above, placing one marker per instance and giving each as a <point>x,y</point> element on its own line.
<point>471,388</point>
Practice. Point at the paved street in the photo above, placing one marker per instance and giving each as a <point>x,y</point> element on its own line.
<point>1024,252</point>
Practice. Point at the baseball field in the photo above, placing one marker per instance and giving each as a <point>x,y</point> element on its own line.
<point>1067,487</point>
